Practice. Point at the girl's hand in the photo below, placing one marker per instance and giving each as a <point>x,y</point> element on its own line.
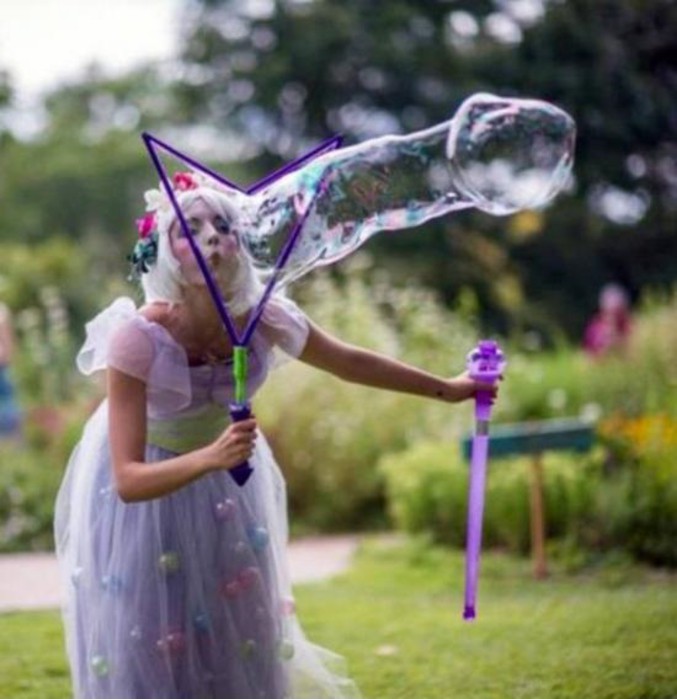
<point>462,387</point>
<point>233,446</point>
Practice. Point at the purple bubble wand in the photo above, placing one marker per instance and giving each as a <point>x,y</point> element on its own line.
<point>240,409</point>
<point>484,363</point>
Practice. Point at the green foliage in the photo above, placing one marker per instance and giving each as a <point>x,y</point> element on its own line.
<point>80,190</point>
<point>599,504</point>
<point>29,480</point>
<point>26,503</point>
<point>622,497</point>
<point>328,435</point>
<point>638,507</point>
<point>566,382</point>
<point>641,512</point>
<point>427,489</point>
<point>44,364</point>
<point>52,279</point>
<point>53,288</point>
<point>57,262</point>
<point>31,471</point>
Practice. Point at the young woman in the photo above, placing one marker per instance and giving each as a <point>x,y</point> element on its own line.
<point>177,580</point>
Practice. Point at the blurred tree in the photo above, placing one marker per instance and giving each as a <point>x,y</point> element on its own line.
<point>6,98</point>
<point>83,175</point>
<point>612,66</point>
<point>6,91</point>
<point>284,72</point>
<point>265,78</point>
<point>77,176</point>
<point>71,192</point>
<point>287,71</point>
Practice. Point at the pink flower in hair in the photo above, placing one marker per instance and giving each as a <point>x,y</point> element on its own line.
<point>183,181</point>
<point>146,225</point>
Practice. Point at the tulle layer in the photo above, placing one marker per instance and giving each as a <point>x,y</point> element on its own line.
<point>183,597</point>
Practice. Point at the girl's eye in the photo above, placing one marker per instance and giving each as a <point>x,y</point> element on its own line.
<point>192,230</point>
<point>222,226</point>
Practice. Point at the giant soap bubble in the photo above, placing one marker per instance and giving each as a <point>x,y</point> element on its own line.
<point>497,154</point>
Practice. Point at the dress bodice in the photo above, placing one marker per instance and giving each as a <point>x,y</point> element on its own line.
<point>121,338</point>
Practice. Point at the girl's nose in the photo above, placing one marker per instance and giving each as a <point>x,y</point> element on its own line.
<point>212,237</point>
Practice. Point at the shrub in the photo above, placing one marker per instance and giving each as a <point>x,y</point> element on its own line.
<point>639,502</point>
<point>567,382</point>
<point>30,475</point>
<point>623,497</point>
<point>328,435</point>
<point>427,488</point>
<point>28,485</point>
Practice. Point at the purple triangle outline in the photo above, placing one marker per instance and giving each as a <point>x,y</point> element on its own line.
<point>151,142</point>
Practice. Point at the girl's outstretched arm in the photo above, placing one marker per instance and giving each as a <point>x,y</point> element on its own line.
<point>369,368</point>
<point>134,479</point>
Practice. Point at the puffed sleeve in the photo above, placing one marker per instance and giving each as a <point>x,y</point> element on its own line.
<point>285,327</point>
<point>122,339</point>
<point>93,356</point>
<point>131,349</point>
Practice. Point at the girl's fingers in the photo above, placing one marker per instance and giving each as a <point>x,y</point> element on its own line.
<point>489,387</point>
<point>248,425</point>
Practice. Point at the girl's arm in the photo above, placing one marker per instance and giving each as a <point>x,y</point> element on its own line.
<point>362,366</point>
<point>135,479</point>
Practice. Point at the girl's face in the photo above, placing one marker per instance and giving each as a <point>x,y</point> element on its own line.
<point>216,239</point>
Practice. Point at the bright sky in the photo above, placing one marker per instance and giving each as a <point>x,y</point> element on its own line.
<point>44,42</point>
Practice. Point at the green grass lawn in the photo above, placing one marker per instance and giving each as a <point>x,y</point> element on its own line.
<point>605,633</point>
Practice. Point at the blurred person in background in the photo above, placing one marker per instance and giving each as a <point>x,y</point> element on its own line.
<point>10,418</point>
<point>608,330</point>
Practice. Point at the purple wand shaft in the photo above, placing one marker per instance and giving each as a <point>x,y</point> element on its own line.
<point>485,363</point>
<point>478,473</point>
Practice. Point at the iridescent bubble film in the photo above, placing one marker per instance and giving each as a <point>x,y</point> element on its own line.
<point>496,154</point>
<point>509,155</point>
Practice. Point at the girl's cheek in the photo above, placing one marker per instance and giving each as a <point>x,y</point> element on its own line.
<point>230,245</point>
<point>182,249</point>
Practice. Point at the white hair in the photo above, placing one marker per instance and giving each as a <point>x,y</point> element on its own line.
<point>164,280</point>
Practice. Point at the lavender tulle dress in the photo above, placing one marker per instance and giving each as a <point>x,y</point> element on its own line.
<point>186,596</point>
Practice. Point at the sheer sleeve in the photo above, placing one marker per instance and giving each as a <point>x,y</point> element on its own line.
<point>93,356</point>
<point>131,349</point>
<point>285,328</point>
<point>120,338</point>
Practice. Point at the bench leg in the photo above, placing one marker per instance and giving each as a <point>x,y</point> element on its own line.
<point>537,518</point>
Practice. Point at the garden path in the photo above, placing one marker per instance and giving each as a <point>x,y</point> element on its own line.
<point>30,581</point>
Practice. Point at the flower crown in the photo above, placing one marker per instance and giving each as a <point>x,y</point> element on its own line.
<point>144,255</point>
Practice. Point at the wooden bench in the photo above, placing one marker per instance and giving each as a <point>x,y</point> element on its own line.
<point>536,438</point>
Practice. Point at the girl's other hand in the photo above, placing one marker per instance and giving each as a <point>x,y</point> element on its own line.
<point>463,387</point>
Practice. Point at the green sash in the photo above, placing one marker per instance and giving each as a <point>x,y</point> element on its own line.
<point>184,434</point>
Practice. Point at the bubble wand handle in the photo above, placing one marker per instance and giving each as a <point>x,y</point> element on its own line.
<point>240,409</point>
<point>484,363</point>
